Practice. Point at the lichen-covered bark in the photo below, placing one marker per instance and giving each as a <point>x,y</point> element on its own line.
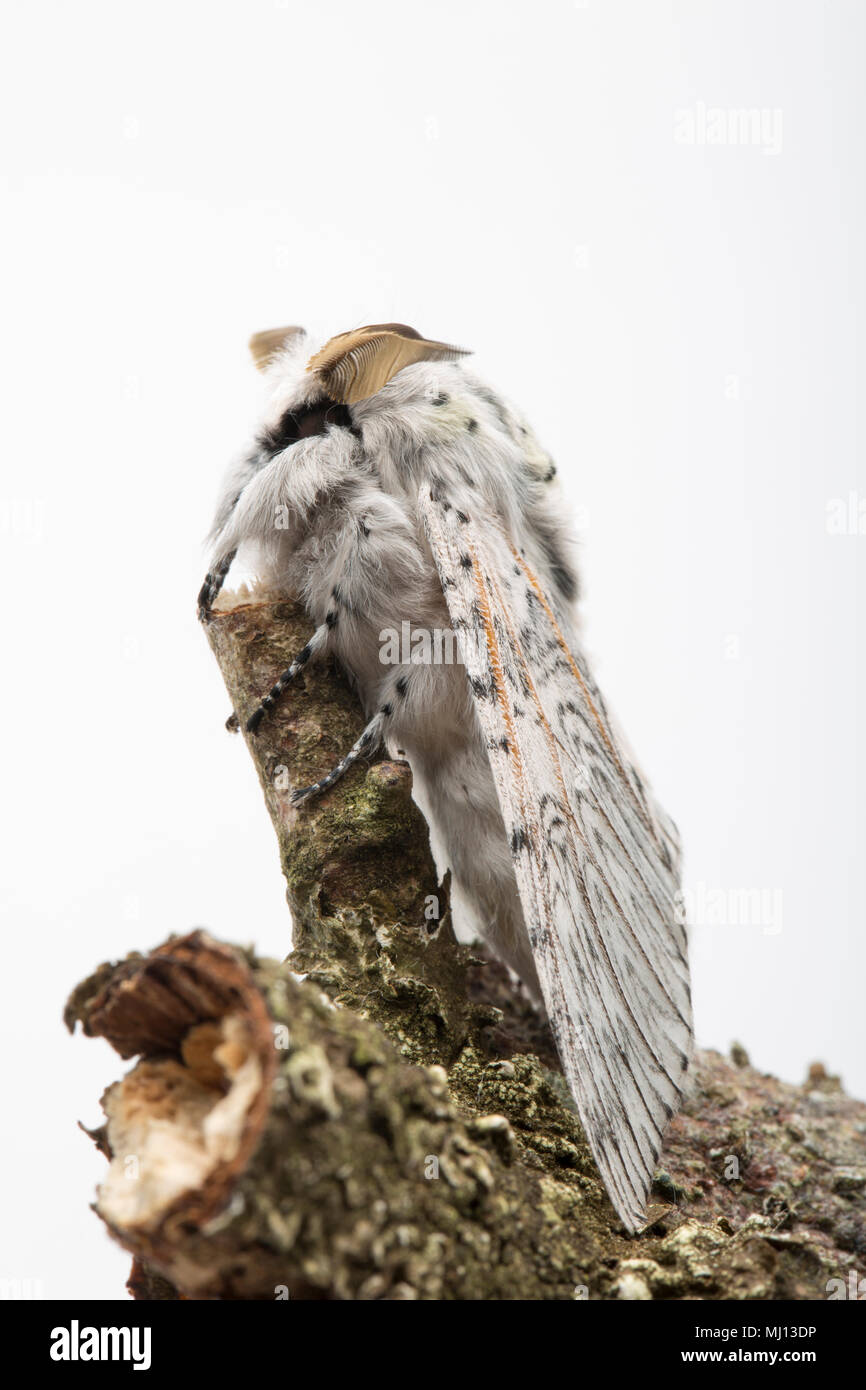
<point>417,1140</point>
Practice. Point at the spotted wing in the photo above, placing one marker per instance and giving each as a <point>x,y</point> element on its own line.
<point>595,859</point>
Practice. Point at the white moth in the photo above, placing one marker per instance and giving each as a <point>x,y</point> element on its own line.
<point>394,493</point>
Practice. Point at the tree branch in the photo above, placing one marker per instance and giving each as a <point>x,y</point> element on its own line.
<point>417,1140</point>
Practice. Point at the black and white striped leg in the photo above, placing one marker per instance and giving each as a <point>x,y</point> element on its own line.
<point>364,746</point>
<point>312,651</point>
<point>367,743</point>
<point>213,582</point>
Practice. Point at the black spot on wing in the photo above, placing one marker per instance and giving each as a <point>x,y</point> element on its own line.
<point>560,571</point>
<point>497,405</point>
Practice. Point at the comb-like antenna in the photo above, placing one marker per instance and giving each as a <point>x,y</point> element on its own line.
<point>264,346</point>
<point>356,365</point>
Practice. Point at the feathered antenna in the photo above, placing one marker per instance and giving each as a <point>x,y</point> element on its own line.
<point>264,346</point>
<point>357,364</point>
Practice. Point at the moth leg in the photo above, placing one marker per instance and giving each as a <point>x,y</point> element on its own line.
<point>213,582</point>
<point>367,743</point>
<point>313,650</point>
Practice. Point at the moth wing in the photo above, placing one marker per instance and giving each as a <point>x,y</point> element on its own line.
<point>595,860</point>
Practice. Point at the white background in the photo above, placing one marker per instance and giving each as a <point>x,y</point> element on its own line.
<point>678,320</point>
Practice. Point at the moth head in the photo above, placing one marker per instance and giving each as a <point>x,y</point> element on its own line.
<point>305,397</point>
<point>355,365</point>
<point>296,407</point>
